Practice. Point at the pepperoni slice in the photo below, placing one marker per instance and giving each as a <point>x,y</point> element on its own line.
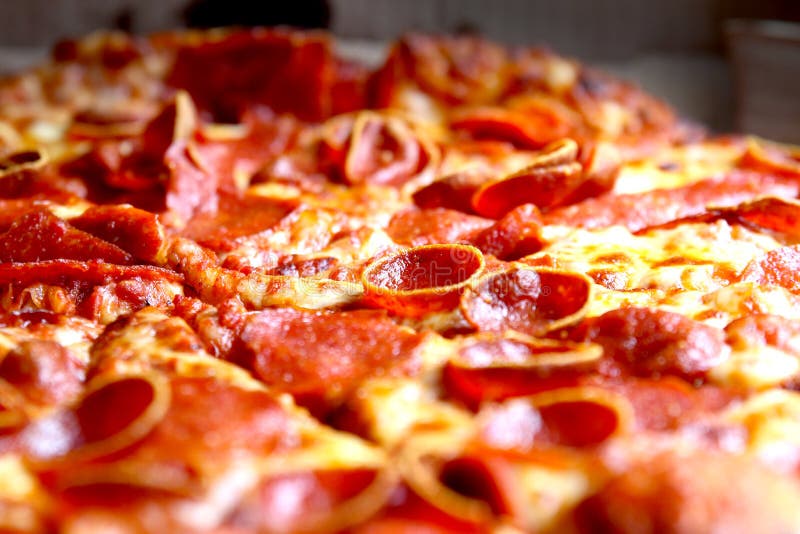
<point>453,191</point>
<point>641,210</point>
<point>516,235</point>
<point>779,215</point>
<point>65,272</point>
<point>779,267</point>
<point>543,186</point>
<point>528,300</point>
<point>290,72</point>
<point>578,422</point>
<point>651,342</point>
<point>582,416</point>
<point>383,150</point>
<point>456,70</point>
<point>113,414</point>
<point>669,402</point>
<point>425,227</point>
<point>39,235</point>
<point>422,279</point>
<point>490,368</point>
<point>321,357</point>
<point>532,128</point>
<point>771,158</point>
<point>488,478</point>
<point>770,213</point>
<point>243,420</point>
<point>44,371</point>
<point>546,183</point>
<point>133,230</point>
<point>153,435</point>
<point>21,175</point>
<point>236,218</point>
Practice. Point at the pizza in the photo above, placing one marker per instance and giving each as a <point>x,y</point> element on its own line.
<point>249,285</point>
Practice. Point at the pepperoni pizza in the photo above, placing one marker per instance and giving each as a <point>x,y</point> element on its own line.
<point>248,285</point>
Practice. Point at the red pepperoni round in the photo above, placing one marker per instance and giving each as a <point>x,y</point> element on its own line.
<point>44,371</point>
<point>39,235</point>
<point>637,211</point>
<point>133,230</point>
<point>425,227</point>
<point>532,301</point>
<point>651,342</point>
<point>779,267</point>
<point>322,356</point>
<point>515,235</point>
<point>422,279</point>
<point>494,369</point>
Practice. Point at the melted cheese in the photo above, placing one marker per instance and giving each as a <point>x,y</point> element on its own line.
<point>676,167</point>
<point>772,421</point>
<point>395,410</point>
<point>675,268</point>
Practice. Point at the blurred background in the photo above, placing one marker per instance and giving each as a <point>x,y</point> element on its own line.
<point>731,64</point>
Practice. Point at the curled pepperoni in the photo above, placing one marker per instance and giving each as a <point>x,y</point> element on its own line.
<point>516,234</point>
<point>455,70</point>
<point>321,357</point>
<point>422,279</point>
<point>66,272</point>
<point>779,267</point>
<point>133,230</point>
<point>453,191</point>
<point>290,72</point>
<point>775,214</point>
<point>779,215</point>
<point>44,371</point>
<point>39,235</point>
<point>425,227</point>
<point>97,125</point>
<point>531,301</point>
<point>669,402</point>
<point>244,420</point>
<point>546,183</point>
<point>487,478</point>
<point>771,158</point>
<point>493,368</point>
<point>542,186</point>
<point>113,414</point>
<point>581,417</point>
<point>22,161</point>
<point>529,129</point>
<point>373,148</point>
<point>157,453</point>
<point>372,141</point>
<point>637,211</point>
<point>651,342</point>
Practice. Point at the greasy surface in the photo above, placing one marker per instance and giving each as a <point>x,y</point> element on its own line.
<point>248,286</point>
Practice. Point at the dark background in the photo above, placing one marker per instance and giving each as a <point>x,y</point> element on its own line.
<point>678,49</point>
